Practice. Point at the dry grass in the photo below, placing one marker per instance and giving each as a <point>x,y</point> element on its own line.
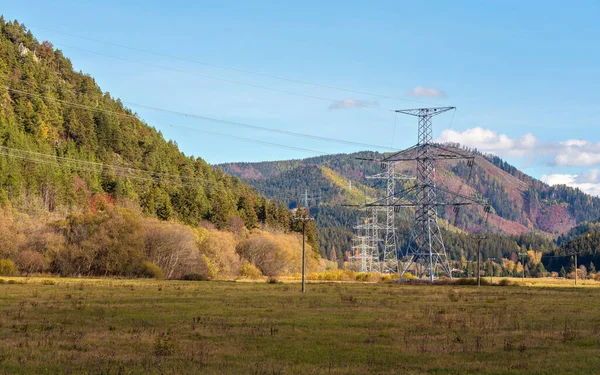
<point>110,326</point>
<point>550,282</point>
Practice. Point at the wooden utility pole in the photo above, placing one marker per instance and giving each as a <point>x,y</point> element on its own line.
<point>479,264</point>
<point>303,258</point>
<point>575,269</point>
<point>491,261</point>
<point>522,268</point>
<point>479,238</point>
<point>304,218</point>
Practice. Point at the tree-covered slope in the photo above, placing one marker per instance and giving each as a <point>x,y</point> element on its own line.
<point>66,145</point>
<point>520,203</point>
<point>291,185</point>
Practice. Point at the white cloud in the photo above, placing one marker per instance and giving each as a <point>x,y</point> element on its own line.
<point>593,175</point>
<point>575,142</point>
<point>351,103</point>
<point>489,141</point>
<point>559,179</point>
<point>427,92</point>
<point>578,152</point>
<point>587,182</point>
<point>568,153</point>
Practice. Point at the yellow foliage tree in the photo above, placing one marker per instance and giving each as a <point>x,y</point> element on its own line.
<point>534,257</point>
<point>508,265</point>
<point>277,254</point>
<point>218,254</point>
<point>519,268</point>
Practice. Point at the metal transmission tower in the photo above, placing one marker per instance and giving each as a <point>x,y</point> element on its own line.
<point>374,229</point>
<point>367,244</point>
<point>426,241</point>
<point>426,246</point>
<point>390,251</point>
<point>309,197</point>
<point>361,250</point>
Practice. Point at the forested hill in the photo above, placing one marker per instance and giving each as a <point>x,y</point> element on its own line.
<point>67,145</point>
<point>520,203</point>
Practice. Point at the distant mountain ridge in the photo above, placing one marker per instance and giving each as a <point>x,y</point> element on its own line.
<point>520,203</point>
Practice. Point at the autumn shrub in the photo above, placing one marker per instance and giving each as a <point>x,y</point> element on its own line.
<point>368,276</point>
<point>249,271</point>
<point>597,277</point>
<point>290,246</point>
<point>218,256</point>
<point>151,270</point>
<point>277,254</point>
<point>408,275</point>
<point>389,277</point>
<point>264,253</point>
<point>108,242</point>
<point>13,236</point>
<point>7,267</point>
<point>30,262</point>
<point>334,275</point>
<point>170,246</point>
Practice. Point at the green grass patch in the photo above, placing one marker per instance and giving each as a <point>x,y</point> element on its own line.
<point>151,326</point>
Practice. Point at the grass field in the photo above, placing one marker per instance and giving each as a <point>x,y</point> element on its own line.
<point>109,326</point>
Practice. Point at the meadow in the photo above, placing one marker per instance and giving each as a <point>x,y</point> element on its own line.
<point>113,326</point>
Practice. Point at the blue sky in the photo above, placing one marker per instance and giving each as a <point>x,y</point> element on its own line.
<point>524,75</point>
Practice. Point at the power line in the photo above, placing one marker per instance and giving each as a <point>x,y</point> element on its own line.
<point>250,140</point>
<point>281,91</point>
<point>232,123</point>
<point>81,106</point>
<point>221,121</point>
<point>87,166</point>
<point>232,68</point>
<point>262,128</point>
<point>99,164</point>
<point>452,119</point>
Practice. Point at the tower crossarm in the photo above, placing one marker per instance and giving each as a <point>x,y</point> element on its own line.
<point>420,112</point>
<point>396,197</point>
<point>435,151</point>
<point>444,197</point>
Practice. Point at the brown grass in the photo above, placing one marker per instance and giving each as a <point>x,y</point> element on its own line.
<point>110,326</point>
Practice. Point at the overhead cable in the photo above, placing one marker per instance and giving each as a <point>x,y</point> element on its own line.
<point>227,122</point>
<point>224,67</point>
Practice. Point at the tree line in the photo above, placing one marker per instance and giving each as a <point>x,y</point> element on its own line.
<point>116,241</point>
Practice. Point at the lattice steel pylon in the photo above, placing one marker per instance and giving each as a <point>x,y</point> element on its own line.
<point>360,251</point>
<point>389,262</point>
<point>426,242</point>
<point>426,245</point>
<point>366,248</point>
<point>374,229</point>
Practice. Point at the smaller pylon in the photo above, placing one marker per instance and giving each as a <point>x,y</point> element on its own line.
<point>366,248</point>
<point>389,263</point>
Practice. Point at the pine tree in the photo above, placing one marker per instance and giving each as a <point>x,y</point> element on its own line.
<point>563,272</point>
